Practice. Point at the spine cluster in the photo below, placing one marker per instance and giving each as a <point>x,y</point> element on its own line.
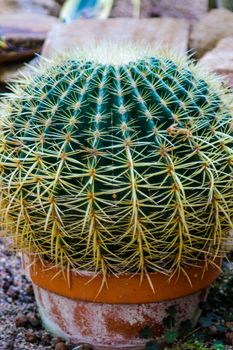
<point>120,168</point>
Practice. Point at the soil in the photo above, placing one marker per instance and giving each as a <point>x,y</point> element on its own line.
<point>20,325</point>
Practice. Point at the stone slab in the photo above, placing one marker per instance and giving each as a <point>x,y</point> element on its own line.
<point>49,7</point>
<point>26,25</point>
<point>24,34</point>
<point>189,9</point>
<point>220,60</point>
<point>206,33</point>
<point>167,32</point>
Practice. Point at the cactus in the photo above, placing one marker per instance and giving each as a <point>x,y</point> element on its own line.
<point>119,160</point>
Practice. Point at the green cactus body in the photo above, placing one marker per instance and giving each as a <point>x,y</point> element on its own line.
<point>120,167</point>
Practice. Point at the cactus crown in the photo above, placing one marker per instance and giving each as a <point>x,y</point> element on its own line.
<point>117,165</point>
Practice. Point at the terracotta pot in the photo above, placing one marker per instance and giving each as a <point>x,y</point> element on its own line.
<point>111,316</point>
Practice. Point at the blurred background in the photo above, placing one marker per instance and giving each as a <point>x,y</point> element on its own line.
<point>203,28</point>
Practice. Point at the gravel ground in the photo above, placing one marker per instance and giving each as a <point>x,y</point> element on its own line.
<point>20,326</point>
<point>21,329</point>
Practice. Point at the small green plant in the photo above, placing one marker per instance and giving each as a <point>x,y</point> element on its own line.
<point>117,159</point>
<point>213,327</point>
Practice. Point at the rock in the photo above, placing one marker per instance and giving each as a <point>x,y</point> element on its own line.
<point>30,290</point>
<point>220,60</point>
<point>33,319</point>
<point>206,33</point>
<point>31,337</point>
<point>168,32</point>
<point>21,320</point>
<point>46,339</point>
<point>189,9</point>
<point>61,346</point>
<point>49,7</point>
<point>57,340</point>
<point>122,8</point>
<point>24,34</point>
<point>13,292</point>
<point>213,329</point>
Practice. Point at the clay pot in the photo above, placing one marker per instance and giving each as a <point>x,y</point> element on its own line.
<point>81,309</point>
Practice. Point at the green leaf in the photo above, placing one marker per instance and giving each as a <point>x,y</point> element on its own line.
<point>152,345</point>
<point>218,346</point>
<point>170,336</point>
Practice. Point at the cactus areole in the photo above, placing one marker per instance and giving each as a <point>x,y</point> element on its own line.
<point>117,160</point>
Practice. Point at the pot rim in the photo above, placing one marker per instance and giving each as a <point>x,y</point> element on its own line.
<point>123,288</point>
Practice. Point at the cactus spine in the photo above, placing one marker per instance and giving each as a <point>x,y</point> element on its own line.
<point>117,161</point>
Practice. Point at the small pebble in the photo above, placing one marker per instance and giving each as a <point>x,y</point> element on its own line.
<point>8,253</point>
<point>24,298</point>
<point>29,290</point>
<point>57,340</point>
<point>21,320</point>
<point>33,319</point>
<point>46,339</point>
<point>213,329</point>
<point>9,345</point>
<point>31,337</point>
<point>61,346</point>
<point>5,286</point>
<point>9,271</point>
<point>13,292</point>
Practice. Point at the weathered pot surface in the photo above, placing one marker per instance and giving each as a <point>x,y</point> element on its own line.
<point>111,316</point>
